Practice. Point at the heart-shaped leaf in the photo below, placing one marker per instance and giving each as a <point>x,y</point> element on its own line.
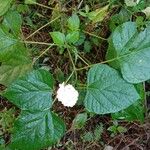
<point>32,92</point>
<point>107,92</point>
<point>130,50</point>
<point>37,130</point>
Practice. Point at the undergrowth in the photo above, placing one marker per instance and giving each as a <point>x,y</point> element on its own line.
<point>93,54</point>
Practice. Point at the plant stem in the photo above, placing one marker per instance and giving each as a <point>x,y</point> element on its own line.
<point>89,66</point>
<point>74,67</point>
<point>83,60</point>
<point>42,27</point>
<point>54,100</point>
<point>70,76</point>
<point>94,35</point>
<point>45,51</point>
<point>41,5</point>
<point>107,61</point>
<point>39,43</point>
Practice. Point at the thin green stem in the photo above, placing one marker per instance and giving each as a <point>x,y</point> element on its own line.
<point>94,35</point>
<point>89,66</point>
<point>82,85</point>
<point>39,43</point>
<point>107,61</point>
<point>73,64</point>
<point>54,100</point>
<point>44,52</point>
<point>83,60</point>
<point>42,27</point>
<point>69,77</point>
<point>44,6</point>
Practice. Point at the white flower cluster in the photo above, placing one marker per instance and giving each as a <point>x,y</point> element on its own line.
<point>67,94</point>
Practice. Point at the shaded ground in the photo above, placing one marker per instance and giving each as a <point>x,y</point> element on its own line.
<point>137,136</point>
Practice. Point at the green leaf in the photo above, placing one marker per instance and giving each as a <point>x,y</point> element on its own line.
<point>134,112</point>
<point>12,20</point>
<point>14,58</point>
<point>74,23</point>
<point>121,129</point>
<point>79,121</point>
<point>87,46</point>
<point>123,16</point>
<point>107,92</point>
<point>37,130</point>
<point>98,132</point>
<point>72,37</point>
<point>13,69</point>
<point>130,50</point>
<point>32,92</point>
<point>113,129</point>
<point>58,38</point>
<point>88,137</point>
<point>30,2</point>
<point>4,6</point>
<point>8,45</point>
<point>98,15</point>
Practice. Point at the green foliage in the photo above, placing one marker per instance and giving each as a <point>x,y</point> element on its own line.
<point>135,111</point>
<point>98,132</point>
<point>98,15</point>
<point>120,18</point>
<point>43,127</point>
<point>94,136</point>
<point>109,88</point>
<point>58,38</point>
<point>4,6</point>
<point>88,137</point>
<point>115,129</point>
<point>72,37</point>
<point>30,1</point>
<point>79,121</point>
<point>95,16</point>
<point>12,21</point>
<point>32,94</point>
<point>131,51</point>
<point>87,46</point>
<point>7,118</point>
<point>14,56</point>
<point>107,92</point>
<point>26,92</point>
<point>74,23</point>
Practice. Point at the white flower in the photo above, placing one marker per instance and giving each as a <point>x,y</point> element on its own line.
<point>67,94</point>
